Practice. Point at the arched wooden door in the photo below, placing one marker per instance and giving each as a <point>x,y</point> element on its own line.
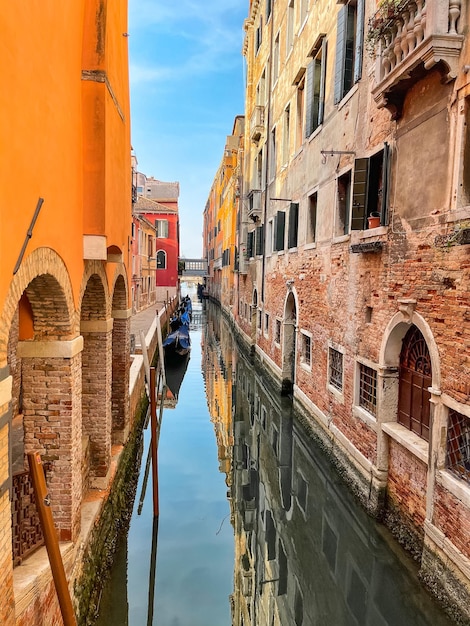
<point>415,378</point>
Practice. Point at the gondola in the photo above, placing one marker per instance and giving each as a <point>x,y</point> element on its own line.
<point>178,342</point>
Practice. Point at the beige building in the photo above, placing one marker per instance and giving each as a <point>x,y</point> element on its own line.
<point>355,220</point>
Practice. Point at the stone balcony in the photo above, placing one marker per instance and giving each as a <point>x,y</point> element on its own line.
<point>415,37</point>
<point>257,123</point>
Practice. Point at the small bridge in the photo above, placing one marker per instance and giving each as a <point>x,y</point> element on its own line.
<point>192,270</point>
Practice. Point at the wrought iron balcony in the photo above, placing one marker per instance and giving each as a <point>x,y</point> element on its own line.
<point>257,123</point>
<point>409,39</point>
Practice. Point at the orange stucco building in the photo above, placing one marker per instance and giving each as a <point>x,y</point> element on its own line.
<point>64,253</point>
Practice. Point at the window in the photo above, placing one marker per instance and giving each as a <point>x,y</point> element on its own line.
<point>349,44</point>
<point>250,244</point>
<point>261,91</point>
<point>161,260</point>
<point>458,445</point>
<point>316,73</point>
<point>302,491</point>
<point>368,389</point>
<point>279,230</point>
<point>268,8</point>
<point>260,319</point>
<point>303,11</point>
<point>306,349</point>
<point>269,237</point>
<point>298,606</point>
<point>335,366</point>
<point>312,218</point>
<point>275,67</point>
<point>370,188</point>
<point>259,35</point>
<point>286,137</point>
<point>293,225</point>
<point>290,26</point>
<point>161,228</point>
<point>277,337</point>
<point>343,203</point>
<point>266,323</point>
<point>275,440</point>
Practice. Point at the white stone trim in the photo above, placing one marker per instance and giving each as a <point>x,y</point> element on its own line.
<point>46,349</point>
<point>96,326</point>
<point>455,486</point>
<point>409,440</point>
<point>437,537</point>
<point>121,314</point>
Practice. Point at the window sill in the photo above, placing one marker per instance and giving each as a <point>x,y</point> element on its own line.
<point>373,232</point>
<point>365,417</point>
<point>305,366</point>
<point>409,440</point>
<point>347,97</point>
<point>457,487</point>
<point>315,133</point>
<point>310,246</point>
<point>339,395</point>
<point>341,239</point>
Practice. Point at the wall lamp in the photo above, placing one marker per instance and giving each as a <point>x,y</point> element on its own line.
<point>327,153</point>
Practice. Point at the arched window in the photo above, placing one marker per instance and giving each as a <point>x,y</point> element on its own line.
<point>161,260</point>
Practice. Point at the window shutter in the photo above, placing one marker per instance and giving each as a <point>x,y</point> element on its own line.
<point>280,230</point>
<point>360,191</point>
<point>321,101</point>
<point>293,225</point>
<point>260,239</point>
<point>310,95</point>
<point>385,184</point>
<point>316,91</point>
<point>249,245</point>
<point>340,52</point>
<point>359,40</point>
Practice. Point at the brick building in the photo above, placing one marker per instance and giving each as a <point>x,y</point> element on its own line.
<point>355,218</point>
<point>64,286</point>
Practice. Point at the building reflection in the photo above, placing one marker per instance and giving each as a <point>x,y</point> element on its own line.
<point>305,552</point>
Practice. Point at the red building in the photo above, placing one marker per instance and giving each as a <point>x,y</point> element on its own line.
<point>163,214</point>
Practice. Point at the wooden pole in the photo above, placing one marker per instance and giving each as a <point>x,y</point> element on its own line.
<point>154,435</point>
<point>43,505</point>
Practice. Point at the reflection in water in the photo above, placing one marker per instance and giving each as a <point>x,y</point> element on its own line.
<point>305,552</point>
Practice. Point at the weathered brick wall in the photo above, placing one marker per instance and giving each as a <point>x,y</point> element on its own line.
<point>452,518</point>
<point>14,363</point>
<point>406,489</point>
<point>96,398</point>
<point>120,379</point>
<point>52,425</point>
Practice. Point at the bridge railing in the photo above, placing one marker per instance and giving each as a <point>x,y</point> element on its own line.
<point>193,267</point>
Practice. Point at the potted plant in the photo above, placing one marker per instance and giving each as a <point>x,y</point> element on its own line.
<point>373,220</point>
<point>387,10</point>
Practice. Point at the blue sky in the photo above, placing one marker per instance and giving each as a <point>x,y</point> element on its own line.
<point>187,85</point>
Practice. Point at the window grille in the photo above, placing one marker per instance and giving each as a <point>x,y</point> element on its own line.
<point>458,445</point>
<point>306,349</point>
<point>336,369</point>
<point>278,331</point>
<point>368,389</point>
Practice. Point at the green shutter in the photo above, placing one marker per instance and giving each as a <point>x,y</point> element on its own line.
<point>360,191</point>
<point>309,127</point>
<point>359,40</point>
<point>260,239</point>
<point>249,245</point>
<point>293,225</point>
<point>385,184</point>
<point>321,100</point>
<point>340,52</point>
<point>280,230</point>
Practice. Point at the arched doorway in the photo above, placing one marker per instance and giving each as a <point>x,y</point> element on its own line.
<point>415,378</point>
<point>289,341</point>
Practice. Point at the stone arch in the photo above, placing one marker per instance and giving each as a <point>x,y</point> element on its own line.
<point>44,357</point>
<point>121,349</point>
<point>289,342</point>
<point>96,326</point>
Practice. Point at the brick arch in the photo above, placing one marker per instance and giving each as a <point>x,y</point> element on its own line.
<point>42,273</point>
<point>289,342</point>
<point>121,350</point>
<point>95,288</point>
<point>120,290</point>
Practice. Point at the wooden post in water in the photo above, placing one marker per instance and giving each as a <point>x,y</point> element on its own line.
<point>43,506</point>
<point>154,435</point>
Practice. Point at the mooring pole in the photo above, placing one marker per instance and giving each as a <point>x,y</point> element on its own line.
<point>154,435</point>
<point>43,505</point>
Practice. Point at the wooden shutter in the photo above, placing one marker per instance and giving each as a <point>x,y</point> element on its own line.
<point>359,40</point>
<point>260,239</point>
<point>249,245</point>
<point>280,229</point>
<point>360,191</point>
<point>340,52</point>
<point>385,184</point>
<point>310,96</point>
<point>321,100</point>
<point>293,225</point>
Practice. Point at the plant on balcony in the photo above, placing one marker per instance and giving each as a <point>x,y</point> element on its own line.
<point>380,22</point>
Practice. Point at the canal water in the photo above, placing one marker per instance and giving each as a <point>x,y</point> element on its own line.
<point>255,527</point>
